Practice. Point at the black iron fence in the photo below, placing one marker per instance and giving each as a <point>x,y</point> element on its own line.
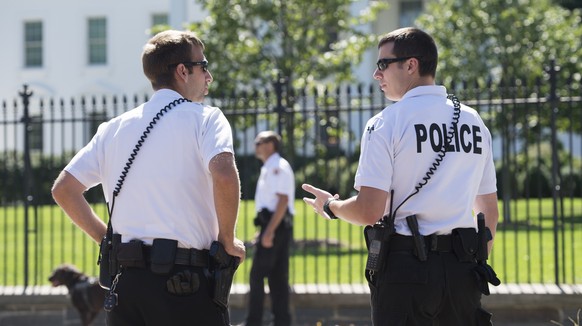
<point>536,128</point>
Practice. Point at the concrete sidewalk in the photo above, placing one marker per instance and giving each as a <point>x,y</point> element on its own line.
<point>321,305</point>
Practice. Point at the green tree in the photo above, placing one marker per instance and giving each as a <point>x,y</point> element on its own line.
<point>503,39</point>
<point>252,42</point>
<point>511,43</point>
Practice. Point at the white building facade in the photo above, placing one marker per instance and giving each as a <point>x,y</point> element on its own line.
<point>66,48</point>
<point>70,48</point>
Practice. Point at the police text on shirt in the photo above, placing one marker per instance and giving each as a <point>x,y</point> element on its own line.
<point>466,138</point>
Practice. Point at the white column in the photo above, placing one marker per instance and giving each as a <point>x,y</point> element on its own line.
<point>178,14</point>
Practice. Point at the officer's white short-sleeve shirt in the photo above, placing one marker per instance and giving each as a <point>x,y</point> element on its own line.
<point>168,191</point>
<point>401,143</point>
<point>276,177</point>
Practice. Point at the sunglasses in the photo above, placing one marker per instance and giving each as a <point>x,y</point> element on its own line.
<point>384,63</point>
<point>260,142</point>
<point>203,63</point>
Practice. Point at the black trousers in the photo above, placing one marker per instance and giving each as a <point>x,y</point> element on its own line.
<point>437,292</point>
<point>143,299</point>
<point>272,263</point>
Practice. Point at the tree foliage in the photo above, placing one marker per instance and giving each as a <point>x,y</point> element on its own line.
<point>252,42</point>
<point>503,39</point>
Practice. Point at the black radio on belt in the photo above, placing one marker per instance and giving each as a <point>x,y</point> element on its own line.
<point>377,237</point>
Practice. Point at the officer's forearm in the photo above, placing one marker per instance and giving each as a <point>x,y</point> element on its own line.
<point>226,196</point>
<point>366,208</point>
<point>83,216</point>
<point>68,194</point>
<point>487,204</point>
<point>226,185</point>
<point>279,213</point>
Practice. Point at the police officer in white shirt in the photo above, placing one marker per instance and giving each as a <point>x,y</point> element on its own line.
<point>400,145</point>
<point>174,157</point>
<point>274,201</point>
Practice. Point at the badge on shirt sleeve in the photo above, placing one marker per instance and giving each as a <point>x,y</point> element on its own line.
<point>373,126</point>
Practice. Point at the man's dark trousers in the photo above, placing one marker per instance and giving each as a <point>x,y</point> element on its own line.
<point>143,300</point>
<point>439,291</point>
<point>272,263</point>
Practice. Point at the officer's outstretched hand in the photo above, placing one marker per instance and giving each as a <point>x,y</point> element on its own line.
<point>320,197</point>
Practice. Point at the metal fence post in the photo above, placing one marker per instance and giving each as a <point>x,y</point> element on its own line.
<point>25,95</point>
<point>279,85</point>
<point>285,100</point>
<point>507,186</point>
<point>553,99</point>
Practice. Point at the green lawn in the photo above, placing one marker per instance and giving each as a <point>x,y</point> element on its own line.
<point>325,251</point>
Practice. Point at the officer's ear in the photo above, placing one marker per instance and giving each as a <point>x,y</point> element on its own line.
<point>412,65</point>
<point>181,72</point>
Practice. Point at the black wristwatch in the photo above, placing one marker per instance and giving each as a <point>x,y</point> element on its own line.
<point>327,210</point>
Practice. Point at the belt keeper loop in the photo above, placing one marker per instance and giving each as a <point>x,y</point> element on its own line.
<point>434,242</point>
<point>191,254</point>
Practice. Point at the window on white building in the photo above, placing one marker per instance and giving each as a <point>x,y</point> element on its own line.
<point>33,44</point>
<point>160,19</point>
<point>409,11</point>
<point>160,22</point>
<point>97,37</point>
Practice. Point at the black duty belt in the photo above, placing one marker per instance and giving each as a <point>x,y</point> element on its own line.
<point>433,242</point>
<point>188,257</point>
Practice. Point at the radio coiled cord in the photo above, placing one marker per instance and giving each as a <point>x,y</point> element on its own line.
<point>440,155</point>
<point>138,146</point>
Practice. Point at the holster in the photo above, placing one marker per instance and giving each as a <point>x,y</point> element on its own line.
<point>222,268</point>
<point>263,217</point>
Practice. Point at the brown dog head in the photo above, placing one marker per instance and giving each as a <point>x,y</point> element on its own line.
<point>65,274</point>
